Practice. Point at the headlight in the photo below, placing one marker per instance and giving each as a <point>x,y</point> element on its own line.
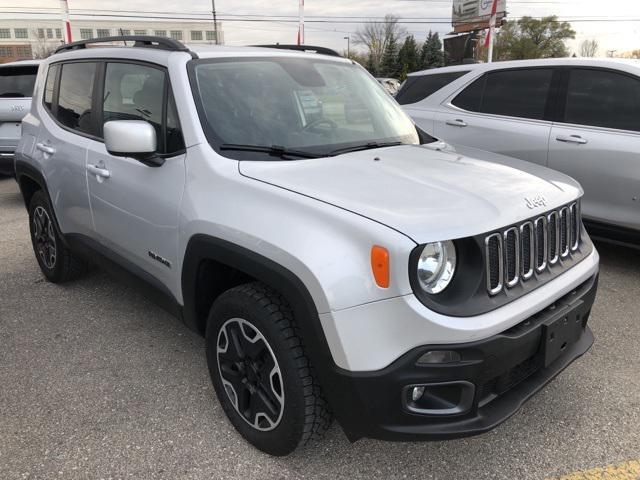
<point>436,266</point>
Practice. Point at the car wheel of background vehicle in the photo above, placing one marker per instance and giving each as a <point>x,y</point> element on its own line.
<point>56,261</point>
<point>260,372</point>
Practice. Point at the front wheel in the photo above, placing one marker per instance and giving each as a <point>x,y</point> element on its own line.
<point>260,372</point>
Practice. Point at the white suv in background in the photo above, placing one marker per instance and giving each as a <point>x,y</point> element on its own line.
<point>17,80</point>
<point>578,116</point>
<point>338,261</point>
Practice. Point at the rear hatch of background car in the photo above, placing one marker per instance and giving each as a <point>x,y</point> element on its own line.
<point>16,89</point>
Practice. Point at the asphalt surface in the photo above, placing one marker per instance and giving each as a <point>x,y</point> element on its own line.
<point>97,382</point>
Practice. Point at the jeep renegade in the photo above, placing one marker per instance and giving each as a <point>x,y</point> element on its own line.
<point>339,261</point>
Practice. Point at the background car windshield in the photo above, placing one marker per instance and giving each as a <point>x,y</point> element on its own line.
<point>313,105</point>
<point>16,82</point>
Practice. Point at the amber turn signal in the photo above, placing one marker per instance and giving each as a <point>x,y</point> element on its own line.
<point>380,265</point>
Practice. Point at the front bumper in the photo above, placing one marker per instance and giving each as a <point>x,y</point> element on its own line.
<point>503,371</point>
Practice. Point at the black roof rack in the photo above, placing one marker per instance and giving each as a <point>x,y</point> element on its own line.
<point>304,48</point>
<point>145,41</point>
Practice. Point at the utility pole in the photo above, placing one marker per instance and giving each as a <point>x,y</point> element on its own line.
<point>66,26</point>
<point>348,39</point>
<point>215,21</point>
<point>301,23</point>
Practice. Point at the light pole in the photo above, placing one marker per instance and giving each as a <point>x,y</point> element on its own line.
<point>348,39</point>
<point>215,21</point>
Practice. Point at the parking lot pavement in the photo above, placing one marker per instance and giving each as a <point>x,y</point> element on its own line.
<point>97,382</point>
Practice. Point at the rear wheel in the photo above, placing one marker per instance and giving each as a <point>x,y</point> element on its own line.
<point>260,372</point>
<point>56,261</point>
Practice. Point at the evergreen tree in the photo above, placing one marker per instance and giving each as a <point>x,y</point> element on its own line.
<point>431,54</point>
<point>389,65</point>
<point>408,57</point>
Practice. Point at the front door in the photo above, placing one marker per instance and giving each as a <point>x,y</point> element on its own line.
<point>135,206</point>
<point>503,112</point>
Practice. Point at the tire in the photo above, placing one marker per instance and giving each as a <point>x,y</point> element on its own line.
<point>57,263</point>
<point>269,363</point>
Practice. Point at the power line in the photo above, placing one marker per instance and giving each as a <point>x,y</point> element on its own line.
<point>318,19</point>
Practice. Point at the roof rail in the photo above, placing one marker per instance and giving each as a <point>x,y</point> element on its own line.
<point>144,41</point>
<point>304,48</point>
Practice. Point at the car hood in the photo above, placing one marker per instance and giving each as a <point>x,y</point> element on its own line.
<point>427,192</point>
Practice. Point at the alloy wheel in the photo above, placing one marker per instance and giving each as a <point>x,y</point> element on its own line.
<point>44,237</point>
<point>250,374</point>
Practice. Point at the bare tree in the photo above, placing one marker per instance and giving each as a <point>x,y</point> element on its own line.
<point>40,48</point>
<point>589,48</point>
<point>375,36</point>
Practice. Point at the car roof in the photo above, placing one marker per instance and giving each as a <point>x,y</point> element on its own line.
<point>587,62</point>
<point>21,63</point>
<point>161,56</point>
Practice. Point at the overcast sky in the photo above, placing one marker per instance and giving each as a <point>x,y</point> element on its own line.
<point>618,35</point>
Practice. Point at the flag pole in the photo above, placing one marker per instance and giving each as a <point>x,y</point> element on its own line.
<point>492,30</point>
<point>301,23</point>
<point>66,26</point>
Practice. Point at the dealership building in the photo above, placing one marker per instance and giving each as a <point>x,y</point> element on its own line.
<point>25,38</point>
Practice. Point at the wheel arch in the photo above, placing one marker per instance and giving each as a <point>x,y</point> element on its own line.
<point>254,266</point>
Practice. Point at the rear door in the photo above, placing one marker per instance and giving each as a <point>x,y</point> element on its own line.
<point>67,122</point>
<point>503,111</point>
<point>135,208</point>
<point>598,143</point>
<point>16,89</point>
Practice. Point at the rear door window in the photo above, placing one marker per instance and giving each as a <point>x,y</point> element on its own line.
<point>75,96</point>
<point>603,98</point>
<point>514,93</point>
<point>417,88</point>
<point>17,82</point>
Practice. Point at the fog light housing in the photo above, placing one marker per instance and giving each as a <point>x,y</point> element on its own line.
<point>439,356</point>
<point>446,398</point>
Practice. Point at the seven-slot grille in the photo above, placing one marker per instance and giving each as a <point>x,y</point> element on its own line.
<point>515,254</point>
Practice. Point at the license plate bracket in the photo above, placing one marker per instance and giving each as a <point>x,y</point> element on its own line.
<point>560,332</point>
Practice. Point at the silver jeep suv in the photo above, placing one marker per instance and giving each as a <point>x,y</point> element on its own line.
<point>339,261</point>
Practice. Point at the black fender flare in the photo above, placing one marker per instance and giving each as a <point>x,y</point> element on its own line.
<point>204,247</point>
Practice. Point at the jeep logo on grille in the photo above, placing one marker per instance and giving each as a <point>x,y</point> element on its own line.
<point>537,201</point>
<point>17,108</point>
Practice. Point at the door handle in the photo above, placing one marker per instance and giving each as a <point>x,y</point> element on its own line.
<point>456,123</point>
<point>45,148</point>
<point>99,171</point>
<point>571,139</point>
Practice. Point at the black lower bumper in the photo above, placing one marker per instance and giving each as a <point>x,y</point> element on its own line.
<point>6,163</point>
<point>488,384</point>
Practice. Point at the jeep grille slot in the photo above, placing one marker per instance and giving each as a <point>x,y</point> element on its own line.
<point>527,256</point>
<point>511,257</point>
<point>521,251</point>
<point>565,233</point>
<point>553,237</point>
<point>495,267</point>
<point>541,243</point>
<point>576,223</point>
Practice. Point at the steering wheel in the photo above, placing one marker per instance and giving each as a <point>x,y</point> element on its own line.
<point>320,121</point>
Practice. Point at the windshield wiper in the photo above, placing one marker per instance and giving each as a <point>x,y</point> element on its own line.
<point>366,146</point>
<point>273,150</point>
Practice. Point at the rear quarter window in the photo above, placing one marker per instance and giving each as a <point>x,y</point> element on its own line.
<point>419,87</point>
<point>17,82</point>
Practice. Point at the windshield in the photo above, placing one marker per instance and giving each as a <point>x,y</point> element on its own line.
<point>311,105</point>
<point>17,81</point>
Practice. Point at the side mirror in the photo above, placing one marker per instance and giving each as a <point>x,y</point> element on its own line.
<point>132,138</point>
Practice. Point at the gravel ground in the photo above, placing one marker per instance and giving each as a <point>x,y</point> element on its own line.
<point>97,382</point>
